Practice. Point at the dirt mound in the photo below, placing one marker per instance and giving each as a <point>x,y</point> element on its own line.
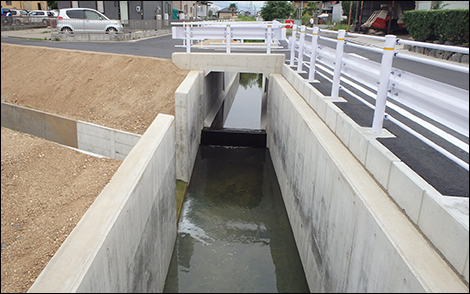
<point>123,92</point>
<point>45,187</point>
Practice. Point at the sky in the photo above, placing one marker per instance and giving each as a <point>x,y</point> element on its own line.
<point>242,5</point>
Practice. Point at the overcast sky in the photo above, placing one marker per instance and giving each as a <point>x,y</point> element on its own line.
<point>242,5</point>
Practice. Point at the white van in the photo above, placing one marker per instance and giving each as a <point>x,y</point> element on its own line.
<point>86,20</point>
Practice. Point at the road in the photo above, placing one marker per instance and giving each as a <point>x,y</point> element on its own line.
<point>443,174</point>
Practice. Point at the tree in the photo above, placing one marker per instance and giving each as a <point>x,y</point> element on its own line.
<point>276,9</point>
<point>439,5</point>
<point>52,4</point>
<point>308,12</point>
<point>233,7</point>
<point>311,8</point>
<point>346,5</point>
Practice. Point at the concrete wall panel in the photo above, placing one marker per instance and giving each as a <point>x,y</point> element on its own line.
<point>351,228</point>
<point>40,124</point>
<point>105,141</point>
<point>125,240</point>
<point>441,227</point>
<point>233,62</point>
<point>188,110</point>
<point>402,184</point>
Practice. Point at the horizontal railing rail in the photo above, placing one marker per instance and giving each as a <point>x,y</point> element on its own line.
<point>271,33</point>
<point>443,103</point>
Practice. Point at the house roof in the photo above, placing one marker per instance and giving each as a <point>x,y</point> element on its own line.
<point>226,10</point>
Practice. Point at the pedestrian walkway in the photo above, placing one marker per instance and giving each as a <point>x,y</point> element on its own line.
<point>33,33</point>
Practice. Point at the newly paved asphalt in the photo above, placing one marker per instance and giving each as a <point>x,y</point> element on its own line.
<point>446,176</point>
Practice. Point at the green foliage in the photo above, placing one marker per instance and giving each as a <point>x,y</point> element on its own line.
<point>52,4</point>
<point>439,5</point>
<point>276,9</point>
<point>232,7</point>
<point>307,12</point>
<point>340,26</point>
<point>310,9</point>
<point>245,18</point>
<point>443,25</point>
<point>306,19</point>
<point>251,79</point>
<point>346,5</point>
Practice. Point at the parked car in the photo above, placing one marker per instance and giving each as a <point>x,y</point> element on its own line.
<point>20,16</point>
<point>54,12</point>
<point>86,20</point>
<point>6,16</point>
<point>52,20</point>
<point>39,16</point>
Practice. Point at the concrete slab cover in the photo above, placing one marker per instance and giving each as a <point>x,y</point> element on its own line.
<point>233,62</point>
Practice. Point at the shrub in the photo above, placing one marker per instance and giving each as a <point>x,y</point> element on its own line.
<point>443,25</point>
<point>245,18</point>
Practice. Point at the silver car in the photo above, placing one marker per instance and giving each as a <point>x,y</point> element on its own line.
<point>86,20</point>
<point>39,16</point>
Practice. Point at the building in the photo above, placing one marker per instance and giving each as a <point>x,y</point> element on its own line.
<point>126,10</point>
<point>28,5</point>
<point>226,13</point>
<point>193,9</point>
<point>428,5</point>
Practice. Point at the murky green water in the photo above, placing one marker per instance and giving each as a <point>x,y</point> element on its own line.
<point>234,234</point>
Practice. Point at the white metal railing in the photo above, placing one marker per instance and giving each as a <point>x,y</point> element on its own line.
<point>270,32</point>
<point>443,103</point>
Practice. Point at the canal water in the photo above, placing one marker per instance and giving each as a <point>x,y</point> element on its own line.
<point>234,234</point>
<point>245,112</point>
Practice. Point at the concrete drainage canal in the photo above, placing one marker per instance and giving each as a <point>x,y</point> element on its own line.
<point>233,233</point>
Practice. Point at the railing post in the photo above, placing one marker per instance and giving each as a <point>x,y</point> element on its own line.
<point>188,39</point>
<point>338,62</point>
<point>268,40</point>
<point>229,34</point>
<point>385,69</point>
<point>301,49</point>
<point>313,56</point>
<point>292,47</point>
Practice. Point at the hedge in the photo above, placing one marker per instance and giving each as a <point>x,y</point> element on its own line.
<point>441,25</point>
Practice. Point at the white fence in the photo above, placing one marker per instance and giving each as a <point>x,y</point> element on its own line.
<point>443,103</point>
<point>270,32</point>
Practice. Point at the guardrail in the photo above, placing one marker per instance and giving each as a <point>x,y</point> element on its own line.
<point>26,22</point>
<point>445,104</point>
<point>270,32</point>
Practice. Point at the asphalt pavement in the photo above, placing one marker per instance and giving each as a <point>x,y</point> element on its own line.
<point>446,176</point>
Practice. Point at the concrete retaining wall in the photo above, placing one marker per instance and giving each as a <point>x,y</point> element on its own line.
<point>197,102</point>
<point>105,141</point>
<point>189,124</point>
<point>442,219</point>
<point>82,135</point>
<point>125,240</point>
<point>40,124</point>
<point>351,235</point>
<point>56,36</point>
<point>220,89</point>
